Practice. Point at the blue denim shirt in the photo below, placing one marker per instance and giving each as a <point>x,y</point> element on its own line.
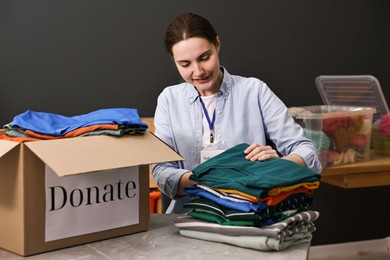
<point>247,111</point>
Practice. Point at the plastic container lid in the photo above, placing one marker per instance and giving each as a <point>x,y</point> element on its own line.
<point>326,111</point>
<point>355,90</point>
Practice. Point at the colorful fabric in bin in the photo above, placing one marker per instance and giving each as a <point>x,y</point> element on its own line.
<point>59,125</point>
<point>384,125</point>
<point>381,135</point>
<point>344,131</point>
<point>320,140</point>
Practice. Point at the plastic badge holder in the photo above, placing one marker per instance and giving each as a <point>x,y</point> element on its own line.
<point>354,90</point>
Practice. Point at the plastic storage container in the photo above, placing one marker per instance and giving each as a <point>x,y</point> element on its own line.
<point>361,91</point>
<point>341,134</point>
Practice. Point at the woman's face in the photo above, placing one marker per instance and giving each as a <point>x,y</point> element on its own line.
<point>198,63</point>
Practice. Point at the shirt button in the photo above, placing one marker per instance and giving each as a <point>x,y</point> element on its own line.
<point>219,136</point>
<point>219,112</point>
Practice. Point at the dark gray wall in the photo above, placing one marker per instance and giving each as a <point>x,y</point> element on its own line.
<point>73,57</point>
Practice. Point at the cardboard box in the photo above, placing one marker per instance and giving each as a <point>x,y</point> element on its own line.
<point>24,194</point>
<point>150,122</point>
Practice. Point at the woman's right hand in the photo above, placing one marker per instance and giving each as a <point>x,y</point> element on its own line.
<point>256,152</point>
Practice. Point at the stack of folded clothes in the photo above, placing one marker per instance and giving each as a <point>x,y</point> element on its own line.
<point>31,125</point>
<point>259,205</point>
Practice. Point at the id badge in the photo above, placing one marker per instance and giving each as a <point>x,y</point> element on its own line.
<point>212,149</point>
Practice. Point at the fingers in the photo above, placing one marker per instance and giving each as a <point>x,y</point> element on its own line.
<point>257,152</point>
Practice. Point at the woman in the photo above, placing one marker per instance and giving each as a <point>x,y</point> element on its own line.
<point>214,110</point>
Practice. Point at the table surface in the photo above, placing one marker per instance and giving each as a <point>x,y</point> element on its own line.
<point>163,241</point>
<point>374,172</point>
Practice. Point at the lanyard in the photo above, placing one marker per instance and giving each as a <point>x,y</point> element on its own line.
<point>211,123</point>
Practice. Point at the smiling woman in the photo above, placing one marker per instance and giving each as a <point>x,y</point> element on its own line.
<point>214,111</point>
<point>110,54</point>
<point>197,62</point>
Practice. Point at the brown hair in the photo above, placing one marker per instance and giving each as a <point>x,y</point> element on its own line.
<point>188,25</point>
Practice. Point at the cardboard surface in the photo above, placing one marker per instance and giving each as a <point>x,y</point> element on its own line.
<point>6,146</point>
<point>151,128</point>
<point>22,183</point>
<point>95,153</point>
<point>11,201</point>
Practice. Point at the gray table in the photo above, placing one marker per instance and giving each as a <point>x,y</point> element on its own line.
<point>162,241</point>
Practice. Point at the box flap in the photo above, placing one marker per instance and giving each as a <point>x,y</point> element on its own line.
<point>6,146</point>
<point>95,153</point>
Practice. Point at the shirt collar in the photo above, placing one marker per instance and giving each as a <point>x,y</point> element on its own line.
<point>226,85</point>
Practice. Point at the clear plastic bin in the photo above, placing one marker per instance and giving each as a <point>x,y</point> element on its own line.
<point>341,134</point>
<point>360,91</point>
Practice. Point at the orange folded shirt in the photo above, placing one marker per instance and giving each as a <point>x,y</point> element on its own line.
<point>279,193</point>
<point>274,200</point>
<point>74,133</point>
<point>309,185</point>
<point>17,139</point>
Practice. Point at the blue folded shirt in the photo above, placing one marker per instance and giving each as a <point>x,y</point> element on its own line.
<point>58,125</point>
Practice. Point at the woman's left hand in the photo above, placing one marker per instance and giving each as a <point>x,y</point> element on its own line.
<point>256,152</point>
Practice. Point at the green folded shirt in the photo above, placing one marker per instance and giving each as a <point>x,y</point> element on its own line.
<point>230,170</point>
